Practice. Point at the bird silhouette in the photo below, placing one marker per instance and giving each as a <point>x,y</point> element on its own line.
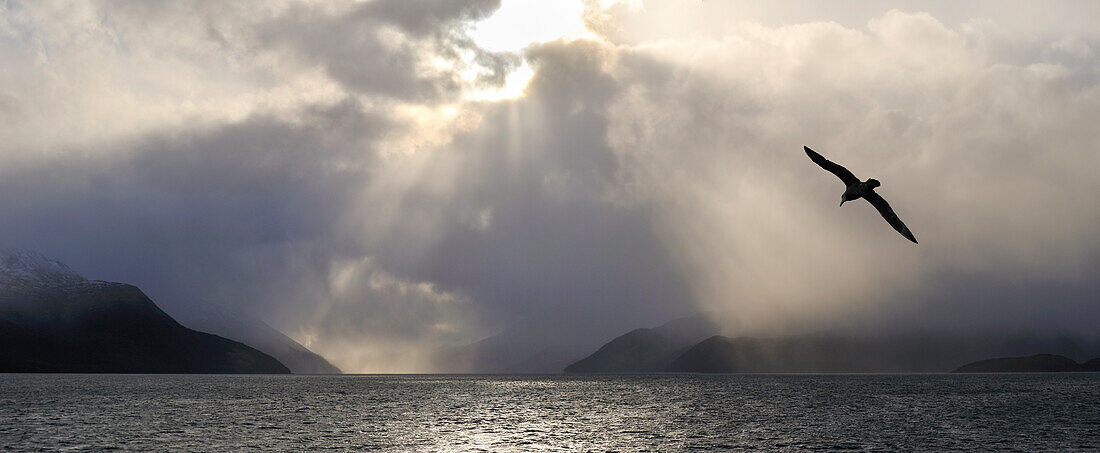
<point>854,190</point>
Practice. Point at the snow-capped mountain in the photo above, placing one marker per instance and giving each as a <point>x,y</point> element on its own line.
<point>54,320</point>
<point>24,273</point>
<point>22,269</point>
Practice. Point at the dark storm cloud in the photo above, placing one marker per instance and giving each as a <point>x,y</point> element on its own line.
<point>172,211</point>
<point>411,50</point>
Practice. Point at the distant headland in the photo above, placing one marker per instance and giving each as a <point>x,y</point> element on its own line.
<point>1038,363</point>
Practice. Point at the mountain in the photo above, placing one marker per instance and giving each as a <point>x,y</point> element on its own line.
<point>836,353</point>
<point>534,345</point>
<point>228,323</point>
<point>646,349</point>
<point>1038,363</point>
<point>720,354</point>
<point>54,320</point>
<point>1092,365</point>
<point>26,270</point>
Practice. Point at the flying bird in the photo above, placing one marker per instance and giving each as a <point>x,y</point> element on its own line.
<point>854,190</point>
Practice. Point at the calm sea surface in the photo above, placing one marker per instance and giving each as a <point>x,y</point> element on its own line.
<point>1022,412</point>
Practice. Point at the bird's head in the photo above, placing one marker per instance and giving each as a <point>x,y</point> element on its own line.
<point>872,183</point>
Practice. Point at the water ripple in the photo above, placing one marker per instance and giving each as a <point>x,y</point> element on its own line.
<point>551,413</point>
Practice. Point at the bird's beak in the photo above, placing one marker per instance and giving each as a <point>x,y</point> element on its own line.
<point>842,202</point>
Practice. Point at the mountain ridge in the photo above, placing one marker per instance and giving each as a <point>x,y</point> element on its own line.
<point>53,320</point>
<point>225,322</point>
<point>646,349</point>
<point>653,350</point>
<point>1038,363</point>
<point>838,353</point>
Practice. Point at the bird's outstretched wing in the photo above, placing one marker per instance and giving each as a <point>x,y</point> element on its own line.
<point>887,213</point>
<point>833,167</point>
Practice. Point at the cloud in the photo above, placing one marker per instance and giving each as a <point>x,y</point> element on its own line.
<point>538,177</point>
<point>501,209</point>
<point>88,74</point>
<point>374,321</point>
<point>418,51</point>
<point>978,156</point>
<point>322,166</point>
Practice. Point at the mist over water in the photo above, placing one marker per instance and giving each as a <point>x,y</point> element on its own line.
<point>1021,412</point>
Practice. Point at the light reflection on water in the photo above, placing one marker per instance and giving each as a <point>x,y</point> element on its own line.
<point>551,413</point>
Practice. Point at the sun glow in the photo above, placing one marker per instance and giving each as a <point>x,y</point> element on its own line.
<point>520,23</point>
<point>514,85</point>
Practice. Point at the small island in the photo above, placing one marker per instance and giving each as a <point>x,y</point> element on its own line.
<point>1038,363</point>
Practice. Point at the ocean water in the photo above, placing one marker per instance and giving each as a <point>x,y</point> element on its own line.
<point>1008,412</point>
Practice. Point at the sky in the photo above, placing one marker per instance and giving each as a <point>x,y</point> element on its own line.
<point>384,179</point>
